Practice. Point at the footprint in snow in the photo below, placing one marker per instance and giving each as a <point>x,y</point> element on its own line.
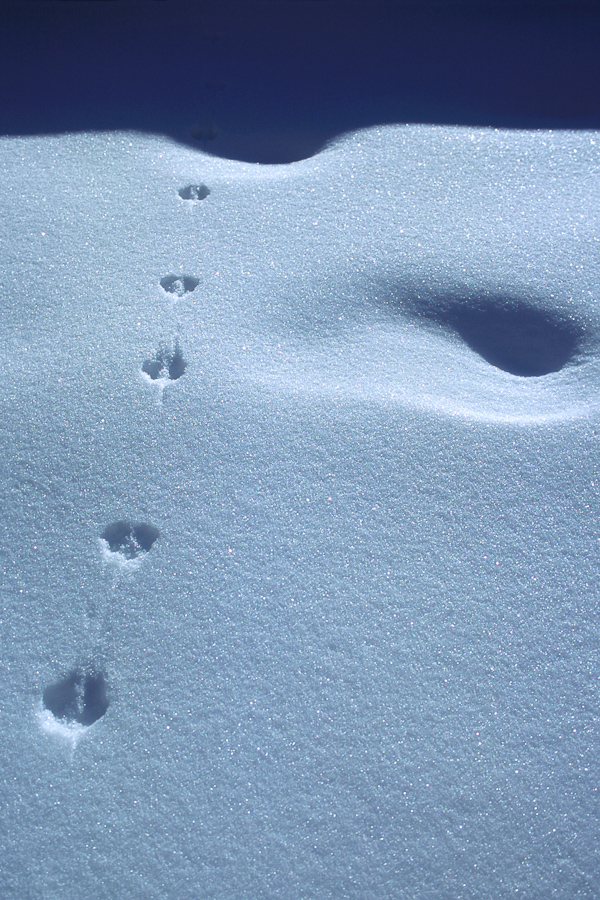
<point>179,285</point>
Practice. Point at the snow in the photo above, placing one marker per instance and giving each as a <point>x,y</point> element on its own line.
<point>340,574</point>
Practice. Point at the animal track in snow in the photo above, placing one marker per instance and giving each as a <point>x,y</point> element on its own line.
<point>179,284</point>
<point>168,364</point>
<point>194,192</point>
<point>79,698</point>
<point>127,543</point>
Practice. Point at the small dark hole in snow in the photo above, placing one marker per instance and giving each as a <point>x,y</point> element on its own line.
<point>167,363</point>
<point>179,284</point>
<point>194,192</point>
<point>79,698</point>
<point>522,340</point>
<point>130,539</point>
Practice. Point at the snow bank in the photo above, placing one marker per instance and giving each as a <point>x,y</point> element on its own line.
<point>300,592</point>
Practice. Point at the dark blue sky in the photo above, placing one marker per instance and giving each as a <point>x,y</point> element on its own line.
<point>272,80</point>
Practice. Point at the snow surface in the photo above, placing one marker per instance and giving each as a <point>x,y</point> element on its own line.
<point>360,659</point>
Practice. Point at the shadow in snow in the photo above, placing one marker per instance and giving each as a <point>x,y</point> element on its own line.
<point>522,340</point>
